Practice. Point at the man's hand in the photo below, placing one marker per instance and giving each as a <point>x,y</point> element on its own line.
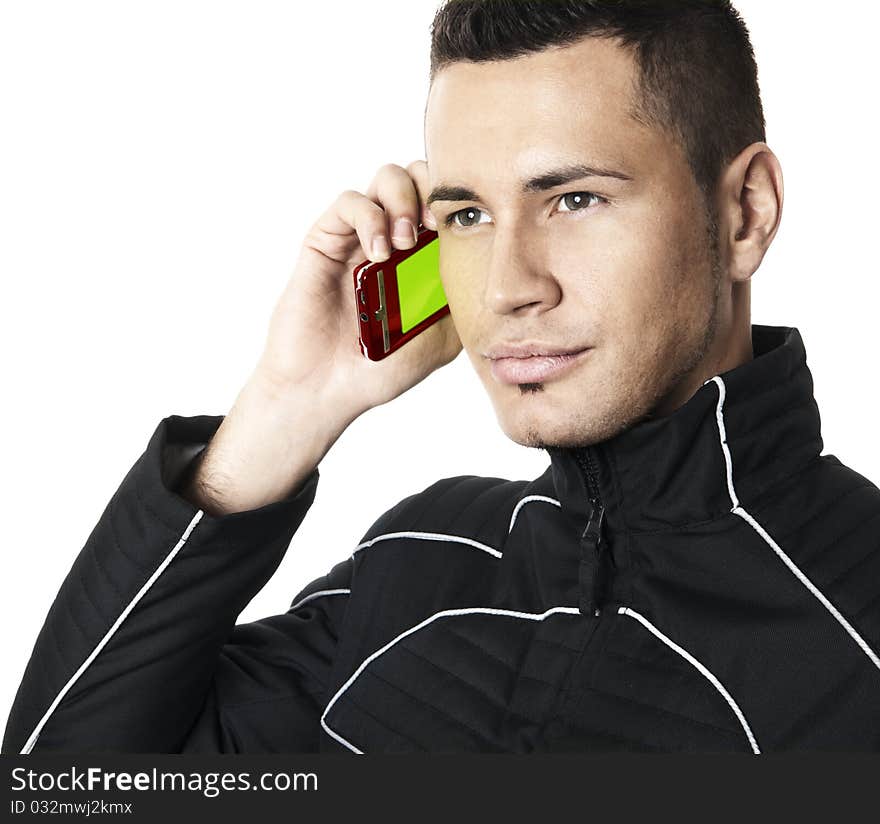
<point>311,380</point>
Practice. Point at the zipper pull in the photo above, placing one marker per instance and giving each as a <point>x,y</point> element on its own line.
<point>601,577</point>
<point>592,575</point>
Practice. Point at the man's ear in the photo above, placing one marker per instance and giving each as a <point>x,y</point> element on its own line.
<point>750,208</point>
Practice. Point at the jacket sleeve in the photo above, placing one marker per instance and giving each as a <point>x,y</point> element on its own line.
<point>140,651</point>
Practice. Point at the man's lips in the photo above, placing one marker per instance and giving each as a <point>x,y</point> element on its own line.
<point>527,349</point>
<point>534,369</point>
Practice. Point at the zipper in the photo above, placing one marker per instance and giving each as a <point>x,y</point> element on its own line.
<point>592,543</point>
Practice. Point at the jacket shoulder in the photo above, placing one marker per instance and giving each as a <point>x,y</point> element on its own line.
<point>473,506</point>
<point>831,529</point>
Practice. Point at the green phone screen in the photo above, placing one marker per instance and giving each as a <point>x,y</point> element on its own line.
<point>419,287</point>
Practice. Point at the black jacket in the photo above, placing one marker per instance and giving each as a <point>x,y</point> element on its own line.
<point>705,581</point>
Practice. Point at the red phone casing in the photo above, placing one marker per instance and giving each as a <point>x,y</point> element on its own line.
<point>378,302</point>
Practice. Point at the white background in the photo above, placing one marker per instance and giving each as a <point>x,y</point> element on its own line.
<point>160,163</point>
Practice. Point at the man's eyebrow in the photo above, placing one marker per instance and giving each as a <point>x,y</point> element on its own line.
<point>546,180</point>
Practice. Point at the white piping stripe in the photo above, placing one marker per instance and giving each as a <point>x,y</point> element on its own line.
<point>525,501</point>
<point>309,597</point>
<point>688,657</point>
<point>531,616</point>
<point>29,745</point>
<point>722,432</point>
<point>428,536</point>
<point>810,586</point>
<point>739,510</point>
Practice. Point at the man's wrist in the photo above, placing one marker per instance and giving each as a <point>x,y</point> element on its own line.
<point>263,452</point>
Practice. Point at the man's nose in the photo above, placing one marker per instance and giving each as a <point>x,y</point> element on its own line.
<point>517,277</point>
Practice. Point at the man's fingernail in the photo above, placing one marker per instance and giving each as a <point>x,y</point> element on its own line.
<point>404,230</point>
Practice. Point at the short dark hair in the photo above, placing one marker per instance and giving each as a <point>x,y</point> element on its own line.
<point>697,76</point>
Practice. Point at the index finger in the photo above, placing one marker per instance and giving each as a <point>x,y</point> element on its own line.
<point>418,171</point>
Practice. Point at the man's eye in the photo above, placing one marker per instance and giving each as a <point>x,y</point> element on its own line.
<point>469,212</point>
<point>579,202</point>
<point>580,199</point>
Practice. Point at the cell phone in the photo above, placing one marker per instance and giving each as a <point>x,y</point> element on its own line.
<point>400,297</point>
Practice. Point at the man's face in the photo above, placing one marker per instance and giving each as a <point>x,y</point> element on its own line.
<point>634,278</point>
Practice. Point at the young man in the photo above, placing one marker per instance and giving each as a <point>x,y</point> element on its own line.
<point>690,572</point>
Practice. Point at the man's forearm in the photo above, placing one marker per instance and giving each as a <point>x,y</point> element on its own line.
<point>263,451</point>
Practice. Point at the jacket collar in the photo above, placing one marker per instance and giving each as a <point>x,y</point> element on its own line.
<point>672,471</point>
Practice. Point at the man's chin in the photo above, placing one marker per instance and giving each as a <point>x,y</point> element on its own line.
<point>541,436</point>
